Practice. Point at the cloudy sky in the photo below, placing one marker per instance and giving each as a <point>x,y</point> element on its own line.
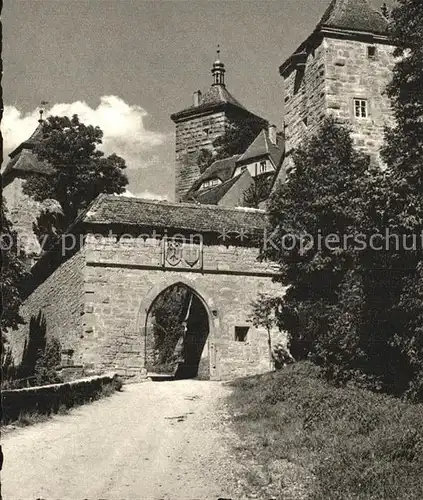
<point>126,65</point>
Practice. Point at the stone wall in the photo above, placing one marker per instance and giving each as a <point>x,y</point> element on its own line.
<point>22,212</point>
<point>352,74</point>
<point>97,304</point>
<point>61,300</point>
<point>305,97</point>
<point>336,72</point>
<point>122,282</point>
<point>192,135</point>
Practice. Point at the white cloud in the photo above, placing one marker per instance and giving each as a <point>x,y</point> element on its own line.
<point>121,123</point>
<point>146,195</point>
<point>150,195</point>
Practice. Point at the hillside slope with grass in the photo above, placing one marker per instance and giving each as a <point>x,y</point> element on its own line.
<point>309,439</point>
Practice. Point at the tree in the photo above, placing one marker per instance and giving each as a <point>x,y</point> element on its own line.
<point>403,154</point>
<point>238,136</point>
<point>264,313</point>
<point>48,360</point>
<point>168,313</point>
<point>80,172</point>
<point>13,275</point>
<point>205,159</point>
<point>332,195</point>
<point>259,190</point>
<point>385,10</point>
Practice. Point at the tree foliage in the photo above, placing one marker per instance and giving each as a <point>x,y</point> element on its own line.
<point>205,159</point>
<point>259,190</point>
<point>13,274</point>
<point>238,136</point>
<point>168,313</point>
<point>80,171</point>
<point>403,154</point>
<point>323,218</point>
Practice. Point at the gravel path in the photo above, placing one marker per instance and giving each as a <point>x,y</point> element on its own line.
<point>153,441</point>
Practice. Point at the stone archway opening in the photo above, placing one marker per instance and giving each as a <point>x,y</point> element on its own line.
<point>177,331</point>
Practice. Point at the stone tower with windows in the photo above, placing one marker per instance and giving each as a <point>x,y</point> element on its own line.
<point>341,69</point>
<point>200,124</point>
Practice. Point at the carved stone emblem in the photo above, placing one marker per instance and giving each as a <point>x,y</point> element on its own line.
<point>173,252</point>
<point>177,253</point>
<point>191,254</point>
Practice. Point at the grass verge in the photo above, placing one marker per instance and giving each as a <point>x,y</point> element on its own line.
<point>313,440</point>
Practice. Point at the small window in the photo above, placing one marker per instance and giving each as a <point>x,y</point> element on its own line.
<point>361,108</point>
<point>371,52</point>
<point>210,183</point>
<point>263,167</point>
<point>241,333</point>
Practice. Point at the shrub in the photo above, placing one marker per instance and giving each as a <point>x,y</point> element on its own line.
<point>47,363</point>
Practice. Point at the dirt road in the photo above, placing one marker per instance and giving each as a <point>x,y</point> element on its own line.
<point>153,441</point>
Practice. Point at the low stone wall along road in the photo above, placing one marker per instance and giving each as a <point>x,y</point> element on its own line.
<point>153,441</point>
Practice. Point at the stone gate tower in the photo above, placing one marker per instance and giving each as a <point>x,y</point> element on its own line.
<point>342,69</point>
<point>198,126</point>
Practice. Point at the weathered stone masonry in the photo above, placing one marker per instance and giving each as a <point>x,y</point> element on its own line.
<point>61,299</point>
<point>347,57</point>
<point>97,301</point>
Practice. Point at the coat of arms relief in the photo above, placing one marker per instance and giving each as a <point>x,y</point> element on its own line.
<point>182,253</point>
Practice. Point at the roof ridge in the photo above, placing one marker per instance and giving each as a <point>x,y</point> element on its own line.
<point>132,199</point>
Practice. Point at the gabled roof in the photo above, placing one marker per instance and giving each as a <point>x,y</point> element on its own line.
<point>356,15</point>
<point>262,146</point>
<point>221,169</point>
<point>213,195</point>
<point>138,212</point>
<point>217,96</point>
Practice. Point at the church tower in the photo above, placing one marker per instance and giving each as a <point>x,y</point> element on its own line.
<point>341,69</point>
<point>200,124</point>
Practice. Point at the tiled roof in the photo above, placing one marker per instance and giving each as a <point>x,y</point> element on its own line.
<point>24,160</point>
<point>213,195</point>
<point>111,209</point>
<point>262,146</point>
<point>31,142</point>
<point>222,169</point>
<point>216,96</point>
<point>356,15</point>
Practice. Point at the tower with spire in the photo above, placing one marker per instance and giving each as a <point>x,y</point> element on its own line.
<point>201,123</point>
<point>341,69</point>
<point>23,210</point>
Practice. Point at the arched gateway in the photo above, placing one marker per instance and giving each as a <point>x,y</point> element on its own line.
<point>98,289</point>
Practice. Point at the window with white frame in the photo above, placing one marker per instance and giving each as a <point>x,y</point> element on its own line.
<point>210,183</point>
<point>361,108</point>
<point>263,166</point>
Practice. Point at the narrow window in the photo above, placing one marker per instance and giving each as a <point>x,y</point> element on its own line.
<point>371,52</point>
<point>262,167</point>
<point>241,333</point>
<point>361,108</point>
